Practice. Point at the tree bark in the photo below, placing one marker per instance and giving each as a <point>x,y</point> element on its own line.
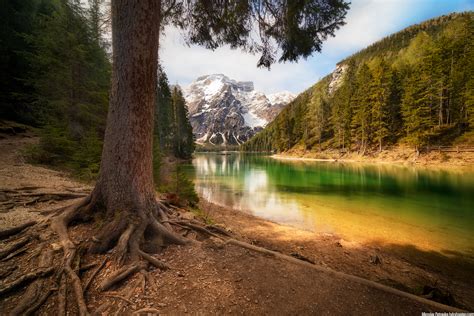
<point>126,174</point>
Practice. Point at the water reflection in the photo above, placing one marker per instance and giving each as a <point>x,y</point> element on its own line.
<point>430,209</point>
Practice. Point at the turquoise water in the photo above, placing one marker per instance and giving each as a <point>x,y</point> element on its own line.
<point>383,203</point>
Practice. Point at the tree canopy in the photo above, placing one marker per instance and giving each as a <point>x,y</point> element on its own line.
<point>277,30</point>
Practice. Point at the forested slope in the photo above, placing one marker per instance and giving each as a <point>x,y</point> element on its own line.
<point>55,76</point>
<point>414,87</point>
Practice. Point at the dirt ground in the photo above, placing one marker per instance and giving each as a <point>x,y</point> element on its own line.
<point>403,267</point>
<point>216,278</point>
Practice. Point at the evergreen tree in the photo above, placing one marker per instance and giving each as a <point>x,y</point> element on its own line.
<point>414,86</point>
<point>317,119</point>
<point>381,77</point>
<point>416,110</point>
<point>395,121</point>
<point>361,105</point>
<point>183,134</point>
<point>17,20</point>
<point>341,115</point>
<point>164,114</point>
<point>55,75</point>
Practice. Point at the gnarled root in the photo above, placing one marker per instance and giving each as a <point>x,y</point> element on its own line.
<point>59,225</point>
<point>14,247</point>
<point>15,230</point>
<point>35,294</point>
<point>24,279</point>
<point>121,275</point>
<point>129,238</point>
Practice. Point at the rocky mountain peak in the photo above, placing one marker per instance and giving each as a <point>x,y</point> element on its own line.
<point>224,111</point>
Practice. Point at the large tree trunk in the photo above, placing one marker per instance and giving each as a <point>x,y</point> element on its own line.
<point>125,190</point>
<point>126,175</point>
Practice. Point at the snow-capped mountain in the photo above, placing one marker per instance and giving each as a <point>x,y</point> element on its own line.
<point>223,111</point>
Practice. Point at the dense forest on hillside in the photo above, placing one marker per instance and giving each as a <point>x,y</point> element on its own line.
<point>414,87</point>
<point>55,76</point>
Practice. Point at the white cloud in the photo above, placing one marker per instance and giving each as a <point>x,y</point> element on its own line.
<point>367,21</point>
<point>183,64</point>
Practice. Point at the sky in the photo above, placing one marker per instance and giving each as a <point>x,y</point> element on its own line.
<point>366,22</point>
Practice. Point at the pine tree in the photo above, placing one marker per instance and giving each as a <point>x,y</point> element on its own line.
<point>381,80</point>
<point>416,109</point>
<point>17,21</point>
<point>316,118</point>
<point>361,108</point>
<point>183,134</point>
<point>69,76</point>
<point>164,121</point>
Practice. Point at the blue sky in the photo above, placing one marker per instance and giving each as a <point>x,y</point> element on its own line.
<point>367,22</point>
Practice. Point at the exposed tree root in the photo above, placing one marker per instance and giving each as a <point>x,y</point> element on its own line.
<point>119,297</point>
<point>39,302</point>
<point>26,278</point>
<point>59,225</point>
<point>14,247</point>
<point>121,275</point>
<point>219,230</point>
<point>86,267</point>
<point>126,238</point>
<point>62,295</point>
<point>195,227</point>
<point>52,195</point>
<point>14,254</point>
<point>157,263</point>
<point>15,230</point>
<point>147,310</point>
<point>7,271</point>
<point>93,275</point>
<point>35,294</point>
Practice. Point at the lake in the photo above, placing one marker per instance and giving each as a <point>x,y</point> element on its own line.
<point>380,203</point>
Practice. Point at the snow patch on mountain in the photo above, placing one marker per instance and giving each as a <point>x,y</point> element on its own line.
<point>224,111</point>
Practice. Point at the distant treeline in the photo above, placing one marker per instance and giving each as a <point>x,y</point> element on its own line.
<point>55,75</point>
<point>414,87</point>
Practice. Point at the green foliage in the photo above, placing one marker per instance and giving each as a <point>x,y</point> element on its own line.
<point>173,136</point>
<point>170,178</point>
<point>16,21</point>
<point>63,82</point>
<point>183,132</point>
<point>173,131</point>
<point>185,188</point>
<point>292,29</point>
<point>413,87</point>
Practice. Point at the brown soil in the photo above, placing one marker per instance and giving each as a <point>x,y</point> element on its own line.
<point>210,277</point>
<point>401,266</point>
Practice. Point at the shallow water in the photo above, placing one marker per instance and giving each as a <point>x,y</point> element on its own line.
<point>432,210</point>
